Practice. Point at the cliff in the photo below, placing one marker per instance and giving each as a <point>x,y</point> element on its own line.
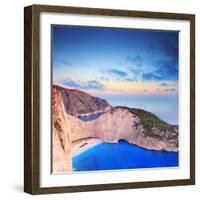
<point>77,102</point>
<point>125,123</point>
<point>61,136</point>
<point>136,126</point>
<point>66,129</point>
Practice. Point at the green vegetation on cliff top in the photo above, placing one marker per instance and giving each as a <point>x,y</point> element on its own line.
<point>148,119</point>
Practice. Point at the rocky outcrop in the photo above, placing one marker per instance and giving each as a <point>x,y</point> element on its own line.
<point>77,102</point>
<point>136,126</point>
<point>79,129</point>
<point>122,123</point>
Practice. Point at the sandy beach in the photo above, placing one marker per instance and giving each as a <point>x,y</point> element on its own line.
<point>83,145</point>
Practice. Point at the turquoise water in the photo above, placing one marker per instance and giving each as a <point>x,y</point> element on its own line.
<point>122,155</point>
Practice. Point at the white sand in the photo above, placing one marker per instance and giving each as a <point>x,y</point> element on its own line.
<point>83,145</point>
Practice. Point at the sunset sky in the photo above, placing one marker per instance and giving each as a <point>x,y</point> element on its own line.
<point>113,61</point>
<point>116,62</point>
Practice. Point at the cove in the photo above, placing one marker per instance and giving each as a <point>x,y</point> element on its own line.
<point>122,155</point>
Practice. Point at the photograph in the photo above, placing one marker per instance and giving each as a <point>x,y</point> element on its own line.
<point>114,98</point>
<point>109,99</point>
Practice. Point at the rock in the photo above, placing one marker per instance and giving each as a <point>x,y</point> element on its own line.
<point>119,123</point>
<point>61,135</point>
<point>77,102</point>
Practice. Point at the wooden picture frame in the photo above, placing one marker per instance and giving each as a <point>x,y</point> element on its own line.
<point>32,92</point>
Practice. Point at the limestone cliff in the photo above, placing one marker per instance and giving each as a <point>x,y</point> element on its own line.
<point>61,153</point>
<point>77,102</point>
<point>125,123</point>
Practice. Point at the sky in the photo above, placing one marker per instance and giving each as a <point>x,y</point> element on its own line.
<point>114,62</point>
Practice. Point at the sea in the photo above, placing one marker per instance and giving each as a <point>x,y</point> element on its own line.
<point>122,155</point>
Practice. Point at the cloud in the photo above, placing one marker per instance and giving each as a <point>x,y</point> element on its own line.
<point>137,62</point>
<point>163,60</point>
<point>103,78</point>
<point>66,62</point>
<point>168,68</point>
<point>70,83</point>
<point>167,48</point>
<point>164,70</point>
<point>61,63</point>
<point>170,50</point>
<point>164,84</point>
<point>89,85</point>
<point>93,84</point>
<point>167,84</point>
<point>160,63</point>
<point>170,90</point>
<point>136,72</point>
<point>130,79</point>
<point>117,73</point>
<point>134,59</point>
<point>168,64</point>
<point>152,76</point>
<point>120,75</point>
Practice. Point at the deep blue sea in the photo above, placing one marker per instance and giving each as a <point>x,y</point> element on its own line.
<point>122,155</point>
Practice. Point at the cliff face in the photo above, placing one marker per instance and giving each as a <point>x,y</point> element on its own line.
<point>61,136</point>
<point>78,129</point>
<point>133,125</point>
<point>66,129</point>
<point>77,102</point>
<point>120,123</point>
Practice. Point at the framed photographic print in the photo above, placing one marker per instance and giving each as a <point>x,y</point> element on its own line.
<point>109,99</point>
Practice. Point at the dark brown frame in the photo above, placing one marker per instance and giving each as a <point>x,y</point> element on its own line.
<point>32,93</point>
